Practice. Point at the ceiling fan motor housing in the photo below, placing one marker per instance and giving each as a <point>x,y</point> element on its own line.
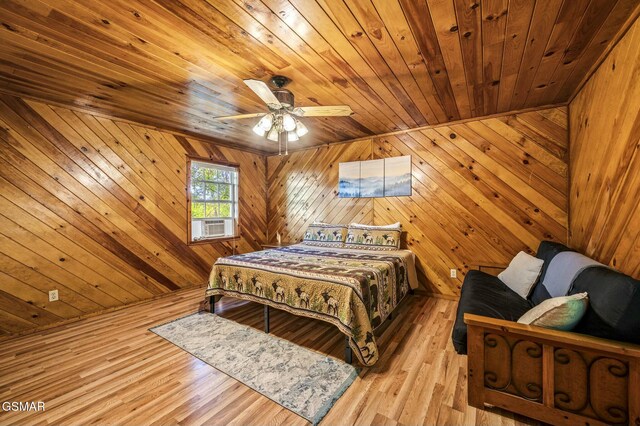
<point>284,96</point>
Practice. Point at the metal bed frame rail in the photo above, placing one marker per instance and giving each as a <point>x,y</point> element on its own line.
<point>348,353</point>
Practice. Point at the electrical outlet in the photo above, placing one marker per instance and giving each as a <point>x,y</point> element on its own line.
<point>53,295</point>
<point>453,273</point>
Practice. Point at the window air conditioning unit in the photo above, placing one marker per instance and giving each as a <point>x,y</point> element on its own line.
<point>213,228</point>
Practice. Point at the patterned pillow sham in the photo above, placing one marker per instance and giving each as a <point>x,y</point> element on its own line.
<point>393,226</point>
<point>325,235</point>
<point>372,238</point>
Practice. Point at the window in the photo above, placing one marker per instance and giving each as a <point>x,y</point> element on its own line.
<point>213,201</point>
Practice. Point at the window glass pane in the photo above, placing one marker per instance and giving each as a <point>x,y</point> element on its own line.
<point>197,191</point>
<point>197,210</point>
<point>213,210</point>
<point>225,210</point>
<point>225,192</point>
<point>208,174</point>
<point>211,191</point>
<point>196,172</point>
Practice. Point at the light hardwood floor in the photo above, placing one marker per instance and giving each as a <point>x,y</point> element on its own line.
<point>110,369</point>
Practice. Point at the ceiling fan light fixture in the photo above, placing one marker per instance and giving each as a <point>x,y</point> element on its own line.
<point>301,129</point>
<point>266,122</point>
<point>280,124</point>
<point>259,130</point>
<point>273,134</point>
<point>288,122</point>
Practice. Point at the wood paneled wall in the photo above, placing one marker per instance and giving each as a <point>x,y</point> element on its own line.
<point>482,191</point>
<point>605,160</point>
<point>303,188</point>
<point>96,208</point>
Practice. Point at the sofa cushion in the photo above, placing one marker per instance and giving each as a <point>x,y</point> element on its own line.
<point>614,301</point>
<point>484,294</point>
<point>539,294</point>
<point>546,251</point>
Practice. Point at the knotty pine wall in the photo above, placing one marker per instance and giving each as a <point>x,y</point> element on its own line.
<point>302,188</point>
<point>96,208</point>
<point>605,160</point>
<point>482,191</point>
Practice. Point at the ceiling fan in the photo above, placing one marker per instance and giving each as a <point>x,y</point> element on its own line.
<point>280,123</point>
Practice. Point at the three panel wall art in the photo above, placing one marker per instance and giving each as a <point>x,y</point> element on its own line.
<point>388,177</point>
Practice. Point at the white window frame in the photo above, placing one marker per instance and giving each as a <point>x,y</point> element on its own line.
<point>231,222</point>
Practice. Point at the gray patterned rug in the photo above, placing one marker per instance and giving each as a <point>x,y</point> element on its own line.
<point>301,380</point>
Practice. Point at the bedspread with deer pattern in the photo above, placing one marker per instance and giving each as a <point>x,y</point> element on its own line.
<point>355,290</point>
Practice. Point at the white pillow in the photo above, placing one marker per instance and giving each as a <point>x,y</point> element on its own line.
<point>522,273</point>
<point>396,225</point>
<point>560,313</point>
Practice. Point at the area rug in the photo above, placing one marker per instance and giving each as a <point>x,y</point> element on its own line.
<point>301,380</point>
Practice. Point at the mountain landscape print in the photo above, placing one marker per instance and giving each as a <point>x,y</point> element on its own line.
<point>349,180</point>
<point>397,176</point>
<point>372,178</point>
<point>389,177</point>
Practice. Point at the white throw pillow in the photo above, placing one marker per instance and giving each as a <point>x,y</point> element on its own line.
<point>560,313</point>
<point>522,273</point>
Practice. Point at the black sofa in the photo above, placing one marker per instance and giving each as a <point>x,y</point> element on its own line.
<point>614,300</point>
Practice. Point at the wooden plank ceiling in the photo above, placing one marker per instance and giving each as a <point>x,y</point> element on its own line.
<point>398,63</point>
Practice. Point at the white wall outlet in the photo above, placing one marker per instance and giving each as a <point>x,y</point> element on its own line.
<point>453,273</point>
<point>53,295</point>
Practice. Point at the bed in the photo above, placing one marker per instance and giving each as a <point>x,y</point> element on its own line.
<point>355,290</point>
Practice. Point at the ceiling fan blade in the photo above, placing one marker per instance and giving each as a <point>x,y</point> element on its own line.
<point>323,111</point>
<point>241,116</point>
<point>261,89</point>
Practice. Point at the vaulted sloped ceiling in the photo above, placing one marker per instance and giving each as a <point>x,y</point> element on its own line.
<point>177,64</point>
